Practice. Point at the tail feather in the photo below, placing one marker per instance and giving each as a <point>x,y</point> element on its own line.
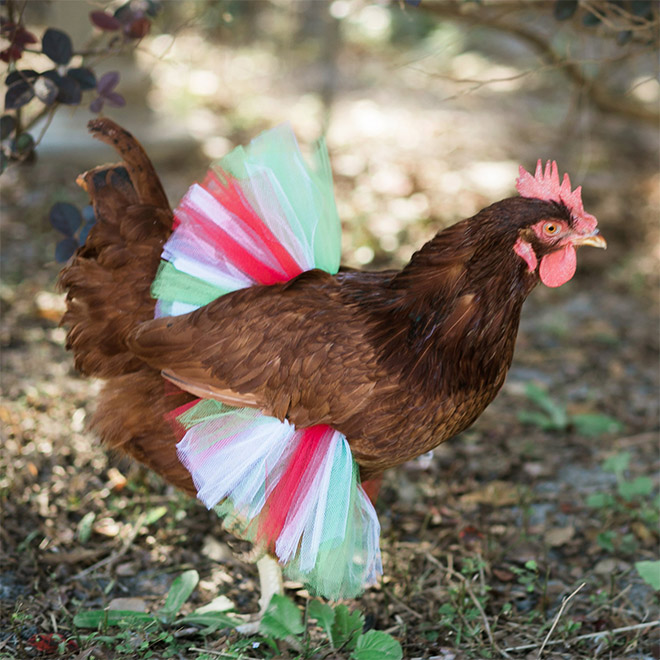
<point>140,170</point>
<point>108,292</point>
<point>108,281</point>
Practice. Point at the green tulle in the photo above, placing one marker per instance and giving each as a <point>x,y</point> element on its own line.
<point>172,285</point>
<point>304,191</point>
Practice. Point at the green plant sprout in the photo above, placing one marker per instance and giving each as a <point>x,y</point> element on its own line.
<point>634,499</point>
<point>282,621</point>
<point>552,416</point>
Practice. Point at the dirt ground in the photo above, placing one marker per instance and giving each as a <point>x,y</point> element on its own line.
<point>484,540</point>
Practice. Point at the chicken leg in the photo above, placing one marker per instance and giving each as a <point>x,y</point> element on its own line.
<point>270,582</point>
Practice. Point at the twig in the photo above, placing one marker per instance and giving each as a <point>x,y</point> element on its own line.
<point>599,95</point>
<point>564,603</point>
<point>112,558</point>
<point>220,654</point>
<point>596,635</point>
<point>609,603</point>
<point>475,600</point>
<point>389,594</point>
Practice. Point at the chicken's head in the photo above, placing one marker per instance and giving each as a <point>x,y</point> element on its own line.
<point>549,244</point>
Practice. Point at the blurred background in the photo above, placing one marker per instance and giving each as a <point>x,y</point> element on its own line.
<point>428,109</point>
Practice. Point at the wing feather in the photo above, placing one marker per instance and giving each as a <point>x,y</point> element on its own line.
<point>296,350</point>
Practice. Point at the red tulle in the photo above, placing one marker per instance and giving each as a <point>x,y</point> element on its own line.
<point>178,428</point>
<point>231,197</point>
<point>294,484</point>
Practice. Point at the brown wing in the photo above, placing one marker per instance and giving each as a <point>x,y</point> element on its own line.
<point>296,350</point>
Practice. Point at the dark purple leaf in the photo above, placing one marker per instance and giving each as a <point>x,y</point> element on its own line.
<point>16,34</point>
<point>590,20</point>
<point>24,144</point>
<point>52,74</point>
<point>11,54</point>
<point>624,37</point>
<point>70,92</point>
<point>23,38</point>
<point>86,78</point>
<point>564,9</point>
<point>65,217</point>
<point>88,214</point>
<point>46,90</point>
<point>7,126</point>
<point>115,100</point>
<point>57,45</point>
<point>96,105</point>
<point>18,95</point>
<point>23,74</point>
<point>104,21</point>
<point>154,6</point>
<point>84,232</point>
<point>641,8</point>
<point>65,249</point>
<point>138,28</point>
<point>107,82</point>
<point>124,14</point>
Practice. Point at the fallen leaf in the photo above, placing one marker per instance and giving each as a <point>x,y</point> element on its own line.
<point>218,604</point>
<point>503,574</point>
<point>605,566</point>
<point>74,557</point>
<point>559,535</point>
<point>107,527</point>
<point>495,493</point>
<point>127,569</point>
<point>643,533</point>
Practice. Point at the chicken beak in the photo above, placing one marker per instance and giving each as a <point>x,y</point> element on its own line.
<point>595,240</point>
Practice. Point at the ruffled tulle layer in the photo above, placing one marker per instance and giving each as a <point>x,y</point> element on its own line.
<point>262,216</point>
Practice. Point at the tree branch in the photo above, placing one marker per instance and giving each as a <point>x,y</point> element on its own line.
<point>598,94</point>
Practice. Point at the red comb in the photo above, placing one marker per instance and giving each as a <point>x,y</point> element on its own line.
<point>545,185</point>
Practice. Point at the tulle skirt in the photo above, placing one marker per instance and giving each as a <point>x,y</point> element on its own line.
<point>261,216</point>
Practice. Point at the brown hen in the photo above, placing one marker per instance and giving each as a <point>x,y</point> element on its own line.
<point>398,362</point>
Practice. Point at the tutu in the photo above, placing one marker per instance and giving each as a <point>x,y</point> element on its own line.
<point>261,216</point>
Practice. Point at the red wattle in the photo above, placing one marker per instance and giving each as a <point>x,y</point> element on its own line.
<point>558,267</point>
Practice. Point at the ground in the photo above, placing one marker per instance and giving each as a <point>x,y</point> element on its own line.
<point>527,528</point>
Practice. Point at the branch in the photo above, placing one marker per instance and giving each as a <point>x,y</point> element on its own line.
<point>597,94</point>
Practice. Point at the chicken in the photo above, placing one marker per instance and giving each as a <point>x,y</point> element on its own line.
<point>295,386</point>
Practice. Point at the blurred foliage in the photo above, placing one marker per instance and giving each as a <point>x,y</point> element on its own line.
<point>32,95</point>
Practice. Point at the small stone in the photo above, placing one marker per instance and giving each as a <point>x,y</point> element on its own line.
<point>216,550</point>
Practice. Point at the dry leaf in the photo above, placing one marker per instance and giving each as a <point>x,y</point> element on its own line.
<point>559,535</point>
<point>495,493</point>
<point>107,527</point>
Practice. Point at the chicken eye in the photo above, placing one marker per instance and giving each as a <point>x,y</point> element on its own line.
<point>551,228</point>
